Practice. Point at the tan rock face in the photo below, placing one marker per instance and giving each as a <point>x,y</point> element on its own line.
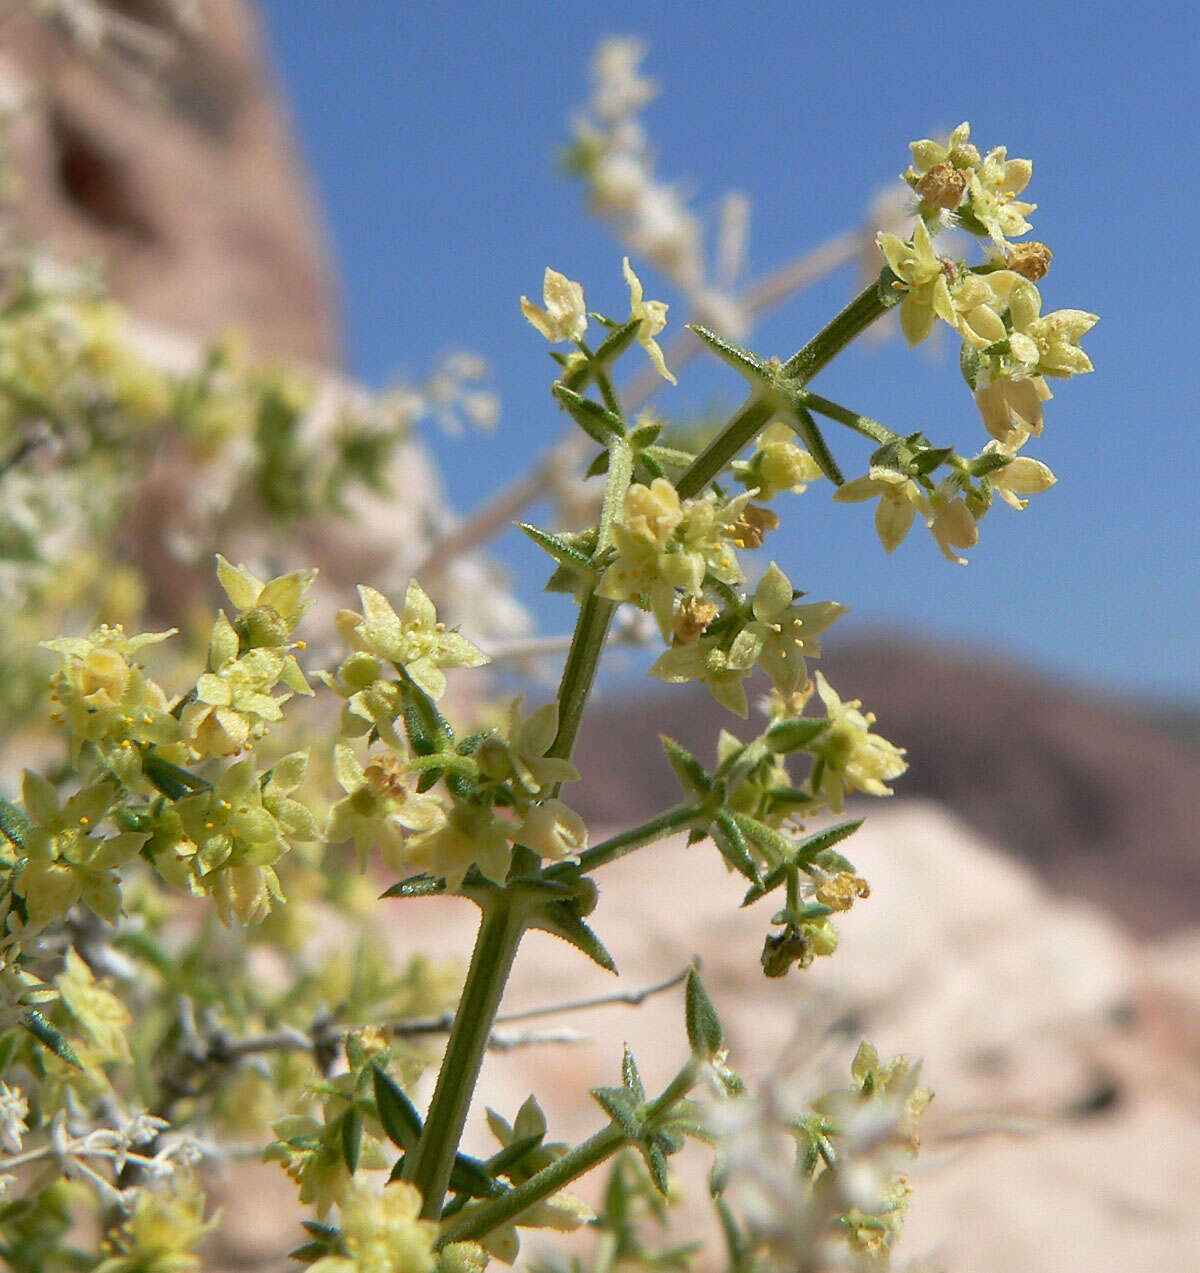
<point>191,192</point>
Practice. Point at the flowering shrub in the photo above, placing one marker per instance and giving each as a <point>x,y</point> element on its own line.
<point>135,1046</point>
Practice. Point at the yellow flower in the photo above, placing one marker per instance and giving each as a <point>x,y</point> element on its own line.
<point>160,1235</point>
<point>1022,475</point>
<point>899,499</point>
<point>957,153</point>
<point>1009,405</point>
<point>993,191</point>
<point>565,315</point>
<point>927,290</point>
<point>951,521</point>
<point>855,759</point>
<point>383,1232</point>
<point>554,831</point>
<point>414,639</point>
<point>469,835</point>
<point>652,316</point>
<point>379,811</point>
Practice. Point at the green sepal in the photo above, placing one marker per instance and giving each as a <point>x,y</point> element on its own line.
<point>704,1032</point>
<point>971,362</point>
<point>791,735</point>
<point>740,359</point>
<point>690,772</point>
<point>645,434</point>
<point>600,424</point>
<point>598,466</point>
<point>50,1037</point>
<point>427,729</point>
<point>732,845</point>
<point>989,462</point>
<point>805,426</point>
<point>560,920</point>
<point>562,550</point>
<point>416,886</point>
<point>352,1130</point>
<point>401,1122</point>
<point>931,458</point>
<point>619,1106</point>
<point>695,835</point>
<point>630,1076</point>
<point>15,823</point>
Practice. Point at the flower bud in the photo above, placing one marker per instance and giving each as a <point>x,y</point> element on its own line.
<point>1030,260</point>
<point>943,186</point>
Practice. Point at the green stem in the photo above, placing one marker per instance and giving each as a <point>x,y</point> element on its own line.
<point>628,841</point>
<point>871,303</point>
<point>579,671</point>
<point>851,419</point>
<point>496,943</point>
<point>620,474</point>
<point>548,1181</point>
<point>730,442</point>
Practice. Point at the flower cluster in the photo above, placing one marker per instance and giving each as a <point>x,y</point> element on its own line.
<point>499,788</point>
<point>1009,348</point>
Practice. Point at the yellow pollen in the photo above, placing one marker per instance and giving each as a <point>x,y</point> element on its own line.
<point>85,821</point>
<point>208,826</point>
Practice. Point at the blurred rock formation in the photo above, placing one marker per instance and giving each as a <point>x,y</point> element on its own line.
<point>184,182</point>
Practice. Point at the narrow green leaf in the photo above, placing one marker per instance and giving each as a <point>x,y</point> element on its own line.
<point>416,886</point>
<point>50,1037</point>
<point>499,1163</point>
<point>770,883</point>
<point>560,919</point>
<point>775,847</point>
<point>931,458</point>
<point>739,358</point>
<point>688,769</point>
<point>596,421</point>
<point>791,735</point>
<point>704,1032</point>
<point>656,1165</point>
<point>615,1102</point>
<point>562,550</point>
<point>14,823</point>
<point>400,1120</point>
<point>598,465</point>
<point>630,1076</point>
<point>309,1253</point>
<point>352,1130</point>
<point>808,848</point>
<point>814,441</point>
<point>170,779</point>
<point>732,845</point>
<point>471,1177</point>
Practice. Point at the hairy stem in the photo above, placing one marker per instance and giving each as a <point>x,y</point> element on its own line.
<point>496,944</point>
<point>730,442</point>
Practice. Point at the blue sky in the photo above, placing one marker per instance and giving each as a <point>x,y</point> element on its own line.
<point>431,131</point>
